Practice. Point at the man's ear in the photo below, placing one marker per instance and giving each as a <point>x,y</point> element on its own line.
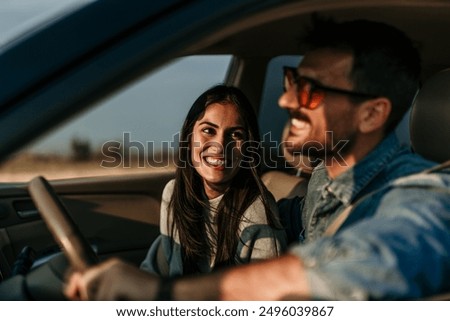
<point>373,114</point>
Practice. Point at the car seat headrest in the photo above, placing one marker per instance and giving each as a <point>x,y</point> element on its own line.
<point>430,118</point>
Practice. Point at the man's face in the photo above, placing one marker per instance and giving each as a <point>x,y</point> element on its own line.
<point>329,128</point>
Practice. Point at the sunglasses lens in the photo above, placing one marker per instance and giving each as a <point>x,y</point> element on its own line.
<point>316,98</point>
<point>308,96</point>
<point>303,93</point>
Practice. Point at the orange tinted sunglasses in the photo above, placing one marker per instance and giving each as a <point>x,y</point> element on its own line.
<point>310,93</point>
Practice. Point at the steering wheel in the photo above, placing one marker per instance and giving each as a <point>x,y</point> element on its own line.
<point>65,231</point>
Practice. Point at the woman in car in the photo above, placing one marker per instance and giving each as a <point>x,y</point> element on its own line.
<point>216,212</point>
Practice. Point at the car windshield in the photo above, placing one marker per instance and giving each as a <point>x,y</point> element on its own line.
<point>19,17</point>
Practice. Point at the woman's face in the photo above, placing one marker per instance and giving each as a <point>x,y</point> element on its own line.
<point>216,146</point>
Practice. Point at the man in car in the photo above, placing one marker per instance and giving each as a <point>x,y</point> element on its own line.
<point>351,89</point>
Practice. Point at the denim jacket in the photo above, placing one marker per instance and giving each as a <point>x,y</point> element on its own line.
<point>395,243</point>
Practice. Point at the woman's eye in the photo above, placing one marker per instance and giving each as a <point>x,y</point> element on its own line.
<point>208,131</point>
<point>238,135</point>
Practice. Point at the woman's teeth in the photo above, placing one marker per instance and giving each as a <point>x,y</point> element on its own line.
<point>215,161</point>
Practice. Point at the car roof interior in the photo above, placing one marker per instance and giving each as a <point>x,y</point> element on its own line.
<point>286,26</point>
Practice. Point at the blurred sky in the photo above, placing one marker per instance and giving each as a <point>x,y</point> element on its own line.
<point>151,110</point>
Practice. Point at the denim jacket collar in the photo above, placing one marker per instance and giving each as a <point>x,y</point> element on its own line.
<point>350,183</point>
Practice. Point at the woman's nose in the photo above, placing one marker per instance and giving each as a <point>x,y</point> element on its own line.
<point>217,145</point>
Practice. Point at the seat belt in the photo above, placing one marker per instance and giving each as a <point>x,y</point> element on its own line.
<point>342,217</point>
<point>163,265</point>
<point>436,168</point>
<point>337,223</point>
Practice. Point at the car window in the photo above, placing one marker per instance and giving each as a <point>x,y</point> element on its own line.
<point>132,131</point>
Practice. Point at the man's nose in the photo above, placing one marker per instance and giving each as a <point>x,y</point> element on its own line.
<point>288,100</point>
